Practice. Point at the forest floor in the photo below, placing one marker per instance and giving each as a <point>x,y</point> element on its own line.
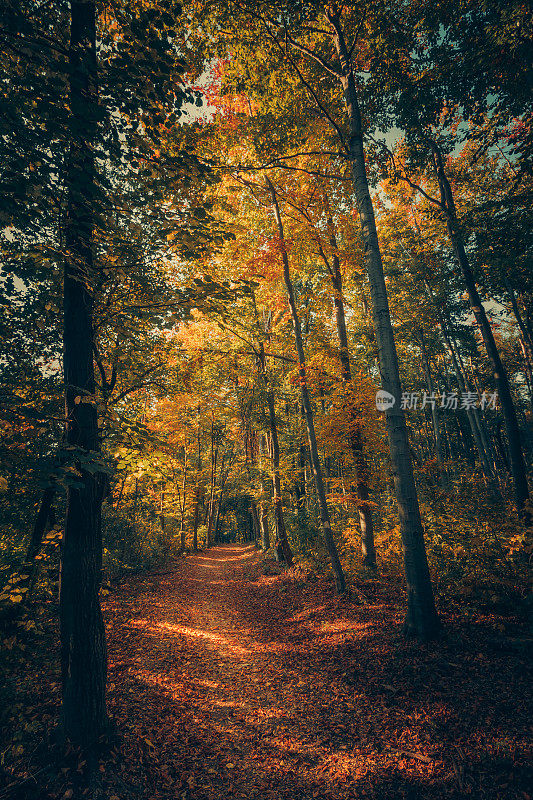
<point>229,683</point>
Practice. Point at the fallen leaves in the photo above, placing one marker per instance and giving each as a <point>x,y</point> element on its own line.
<point>223,686</point>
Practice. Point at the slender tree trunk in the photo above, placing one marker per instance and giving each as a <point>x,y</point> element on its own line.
<point>528,367</point>
<point>518,466</point>
<point>44,520</point>
<point>501,446</point>
<point>135,500</point>
<point>263,513</point>
<point>210,505</point>
<point>197,493</point>
<point>83,647</point>
<point>183,502</point>
<point>255,520</point>
<point>120,494</point>
<point>526,341</point>
<point>434,410</point>
<point>282,544</point>
<point>265,532</point>
<point>362,471</point>
<point>422,619</point>
<point>218,504</point>
<point>162,510</point>
<point>308,411</point>
<point>472,414</point>
<point>44,514</point>
<point>302,460</point>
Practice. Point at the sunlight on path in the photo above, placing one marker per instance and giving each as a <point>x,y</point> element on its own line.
<point>248,701</point>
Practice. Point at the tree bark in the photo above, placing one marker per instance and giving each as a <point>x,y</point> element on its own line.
<point>421,619</point>
<point>83,646</point>
<point>306,402</point>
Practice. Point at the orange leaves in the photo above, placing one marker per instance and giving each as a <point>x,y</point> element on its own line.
<point>266,259</point>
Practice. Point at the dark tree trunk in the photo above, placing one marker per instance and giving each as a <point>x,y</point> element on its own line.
<point>45,517</point>
<point>44,520</point>
<point>83,647</point>
<point>216,520</point>
<point>421,619</point>
<point>255,521</point>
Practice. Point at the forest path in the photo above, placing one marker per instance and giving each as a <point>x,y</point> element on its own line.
<point>226,683</point>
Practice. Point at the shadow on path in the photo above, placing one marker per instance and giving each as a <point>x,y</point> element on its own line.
<point>229,683</point>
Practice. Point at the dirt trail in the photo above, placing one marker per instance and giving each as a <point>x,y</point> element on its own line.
<point>226,683</point>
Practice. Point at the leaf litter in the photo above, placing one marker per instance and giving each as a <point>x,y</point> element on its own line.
<point>226,682</point>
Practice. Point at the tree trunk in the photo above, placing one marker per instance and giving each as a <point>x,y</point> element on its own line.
<point>44,520</point>
<point>434,411</point>
<point>197,493</point>
<point>183,502</point>
<point>216,520</point>
<point>308,411</point>
<point>472,414</point>
<point>422,619</point>
<point>120,494</point>
<point>44,514</point>
<point>255,520</point>
<point>162,510</point>
<point>265,532</point>
<point>526,341</point>
<point>282,546</point>
<point>518,466</point>
<point>263,510</point>
<point>362,471</point>
<point>135,500</point>
<point>83,647</point>
<point>210,504</point>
